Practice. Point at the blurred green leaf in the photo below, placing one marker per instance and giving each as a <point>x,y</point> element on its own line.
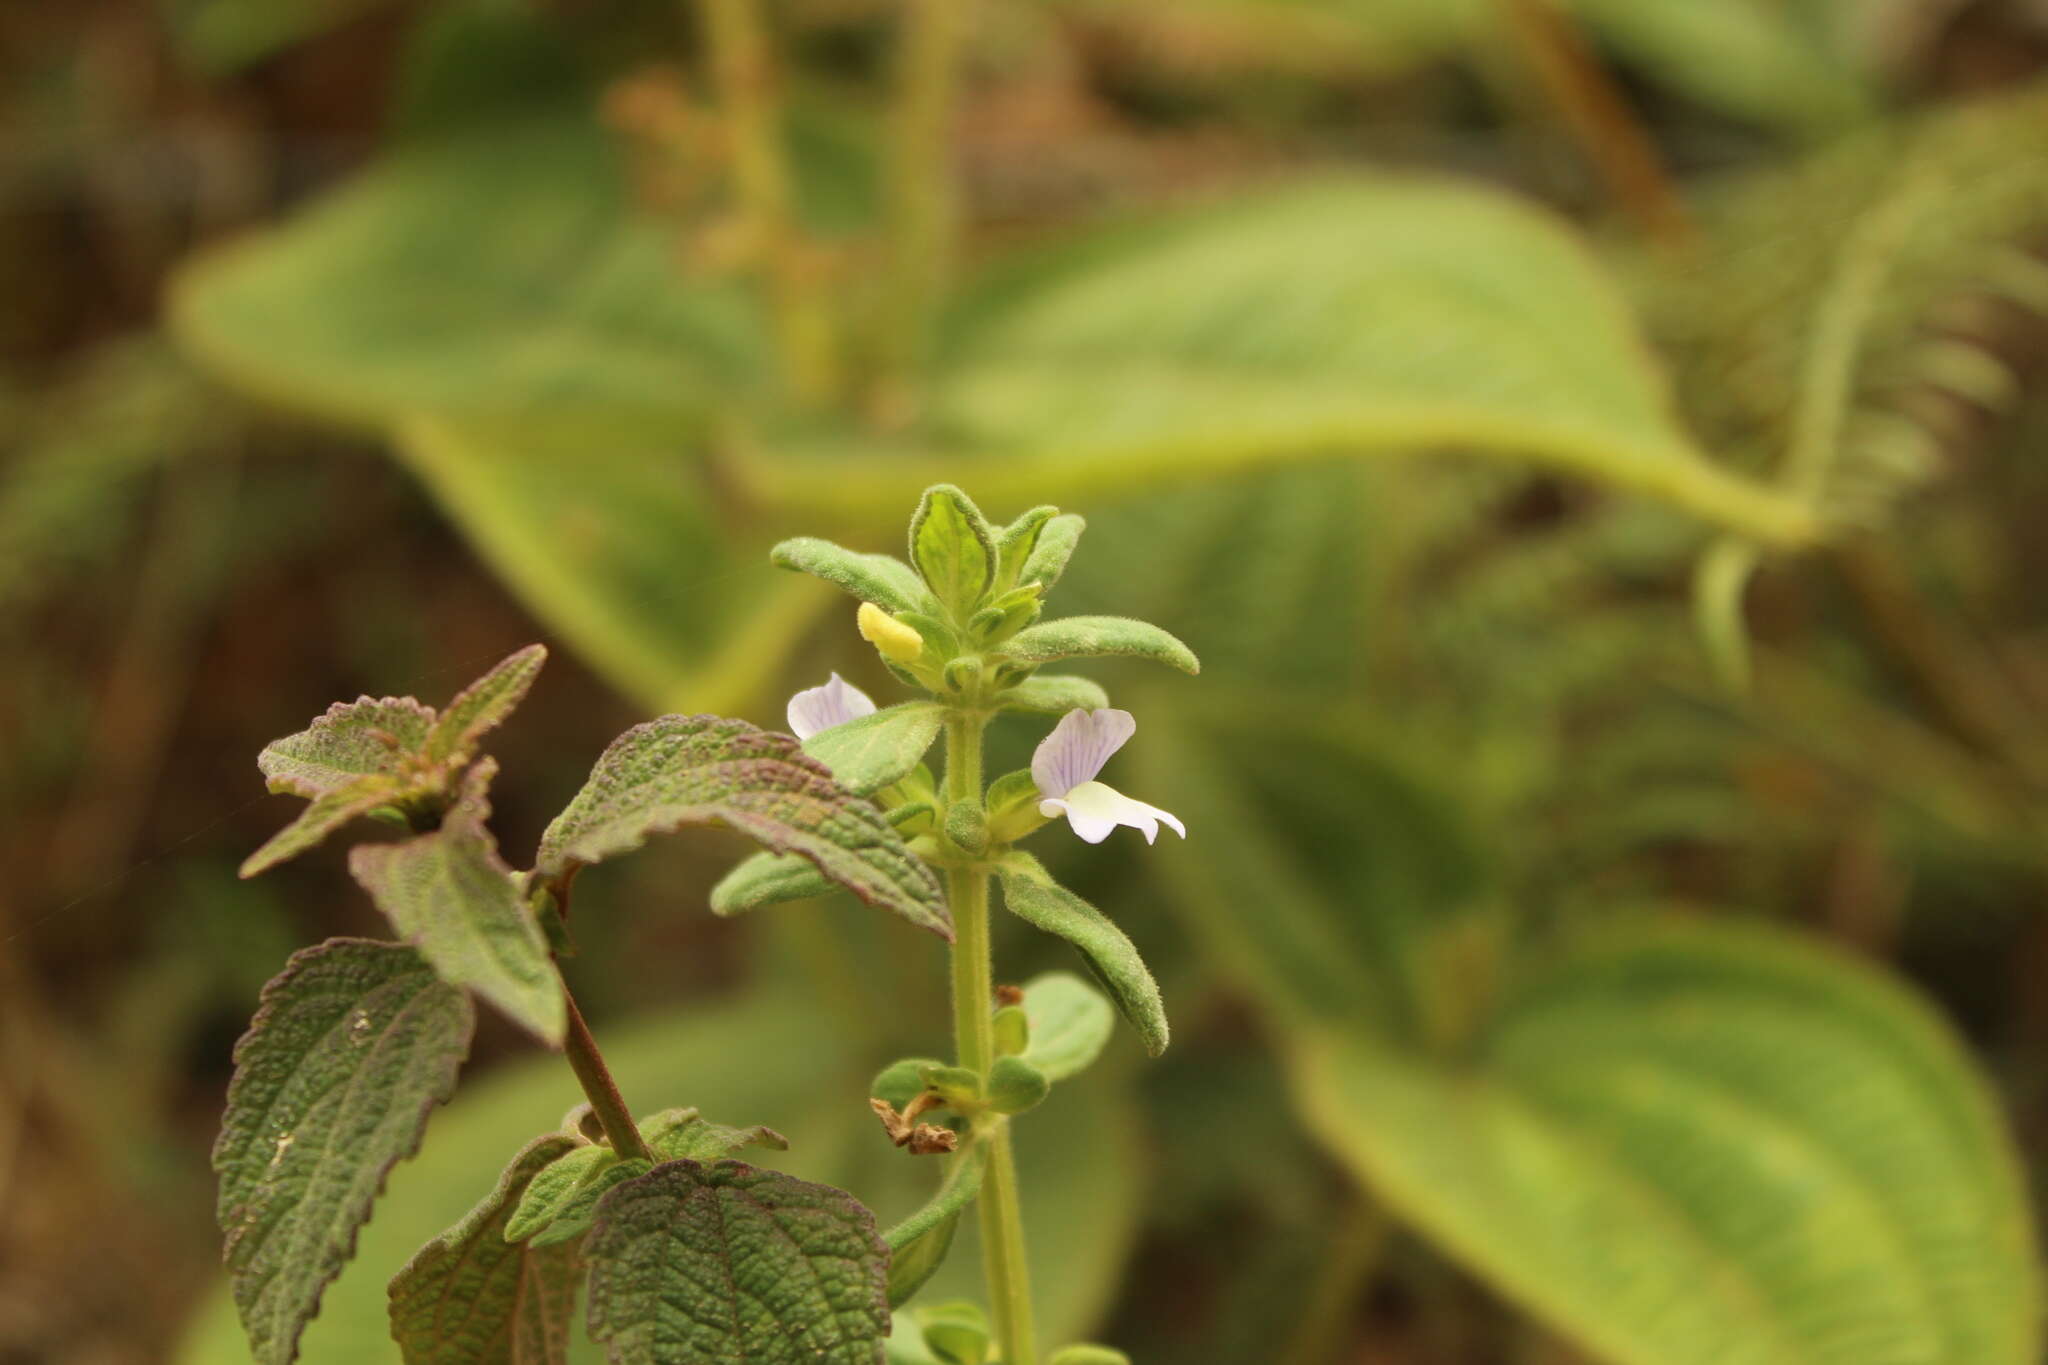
<point>1070,1024</point>
<point>767,879</point>
<point>918,1245</point>
<point>871,752</point>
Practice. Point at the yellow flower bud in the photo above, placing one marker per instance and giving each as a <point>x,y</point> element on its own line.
<point>895,640</point>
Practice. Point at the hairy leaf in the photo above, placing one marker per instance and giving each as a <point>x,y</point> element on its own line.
<point>698,770</point>
<point>1016,544</point>
<point>354,1043</point>
<point>888,583</point>
<point>768,879</point>
<point>353,740</point>
<point>453,898</point>
<point>676,1134</point>
<point>1070,1023</point>
<point>918,1245</point>
<point>1047,562</point>
<point>869,753</point>
<point>728,1262</point>
<point>1031,893</point>
<point>474,1296</point>
<point>1055,694</point>
<point>562,1203</point>
<point>1015,1085</point>
<point>1093,636</point>
<point>328,813</point>
<point>484,704</point>
<point>953,548</point>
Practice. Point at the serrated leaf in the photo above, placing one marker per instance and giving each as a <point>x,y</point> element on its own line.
<point>327,813</point>
<point>887,582</point>
<point>871,752</point>
<point>1015,1085</point>
<point>453,898</point>
<point>1016,544</point>
<point>1077,637</point>
<point>354,1043</point>
<point>768,879</point>
<point>351,741</point>
<point>474,1296</point>
<point>1047,562</point>
<point>728,1262</point>
<point>1055,694</point>
<point>1070,1024</point>
<point>675,1134</point>
<point>952,547</point>
<point>1030,893</point>
<point>918,1245</point>
<point>1691,1145</point>
<point>698,770</point>
<point>484,704</point>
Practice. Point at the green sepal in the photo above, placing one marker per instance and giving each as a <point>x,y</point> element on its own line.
<point>768,879</point>
<point>1030,893</point>
<point>1013,807</point>
<point>967,825</point>
<point>918,1245</point>
<point>483,705</point>
<point>675,1134</point>
<point>1088,637</point>
<point>1005,616</point>
<point>887,582</point>
<point>1070,1022</point>
<point>1012,1028</point>
<point>901,1082</point>
<point>1015,544</point>
<point>953,547</point>
<point>875,751</point>
<point>1055,546</point>
<point>958,1086</point>
<point>1054,694</point>
<point>957,1332</point>
<point>1088,1355</point>
<point>1015,1085</point>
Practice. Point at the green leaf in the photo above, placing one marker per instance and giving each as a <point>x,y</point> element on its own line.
<point>674,1134</point>
<point>767,879</point>
<point>354,1043</point>
<point>1070,1024</point>
<point>1055,694</point>
<point>483,705</point>
<point>872,752</point>
<point>902,1081</point>
<point>1087,1355</point>
<point>1047,562</point>
<point>353,740</point>
<point>1030,893</point>
<point>1076,637</point>
<point>728,1262</point>
<point>473,1296</point>
<point>1016,544</point>
<point>328,813</point>
<point>550,1190</point>
<point>1699,1143</point>
<point>957,1333</point>
<point>953,548</point>
<point>887,582</point>
<point>1015,1085</point>
<point>695,770</point>
<point>918,1245</point>
<point>453,898</point>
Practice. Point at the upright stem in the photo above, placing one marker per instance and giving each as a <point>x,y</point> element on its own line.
<point>599,1087</point>
<point>1004,1267</point>
<point>921,205</point>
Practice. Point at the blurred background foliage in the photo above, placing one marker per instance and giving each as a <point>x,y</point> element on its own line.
<point>1540,997</point>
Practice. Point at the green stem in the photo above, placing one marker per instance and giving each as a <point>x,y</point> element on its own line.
<point>599,1087</point>
<point>1005,1270</point>
<point>921,204</point>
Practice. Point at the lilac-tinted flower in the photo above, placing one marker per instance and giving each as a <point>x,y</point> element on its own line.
<point>1065,766</point>
<point>821,708</point>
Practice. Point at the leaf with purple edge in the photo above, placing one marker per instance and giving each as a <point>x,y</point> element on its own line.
<point>350,741</point>
<point>484,704</point>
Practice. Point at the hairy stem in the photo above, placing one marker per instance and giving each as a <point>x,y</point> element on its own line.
<point>599,1087</point>
<point>1004,1268</point>
<point>921,204</point>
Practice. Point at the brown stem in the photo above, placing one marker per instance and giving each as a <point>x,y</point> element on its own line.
<point>599,1087</point>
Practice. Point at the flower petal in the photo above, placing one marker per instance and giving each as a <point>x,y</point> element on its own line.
<point>1093,809</point>
<point>821,708</point>
<point>1078,747</point>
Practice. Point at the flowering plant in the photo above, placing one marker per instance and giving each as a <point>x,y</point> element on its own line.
<point>683,1251</point>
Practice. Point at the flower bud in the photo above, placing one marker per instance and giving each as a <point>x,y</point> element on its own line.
<point>896,641</point>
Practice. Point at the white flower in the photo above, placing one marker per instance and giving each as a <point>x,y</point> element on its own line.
<point>1065,766</point>
<point>821,708</point>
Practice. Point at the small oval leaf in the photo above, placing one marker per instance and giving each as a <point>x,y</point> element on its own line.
<point>1081,637</point>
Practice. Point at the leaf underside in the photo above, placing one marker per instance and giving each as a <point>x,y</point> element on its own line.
<point>354,1043</point>
<point>729,1263</point>
<point>350,741</point>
